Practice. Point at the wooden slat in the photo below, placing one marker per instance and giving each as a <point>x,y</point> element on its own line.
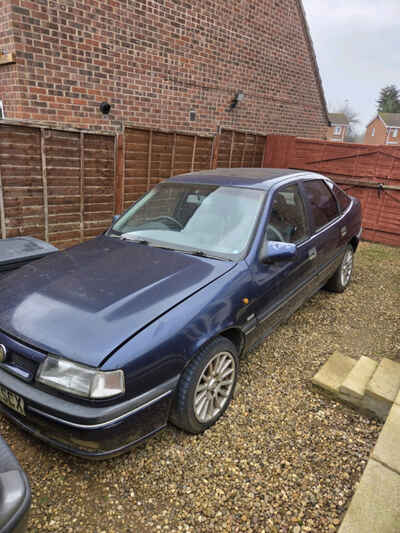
<point>193,152</point>
<point>231,148</point>
<point>149,151</point>
<point>173,152</point>
<point>119,155</point>
<point>243,150</point>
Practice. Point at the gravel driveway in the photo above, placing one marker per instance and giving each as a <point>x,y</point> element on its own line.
<point>283,458</point>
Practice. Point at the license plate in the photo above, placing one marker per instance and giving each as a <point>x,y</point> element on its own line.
<point>12,400</point>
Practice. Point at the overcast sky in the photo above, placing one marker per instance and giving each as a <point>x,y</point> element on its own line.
<point>357,43</point>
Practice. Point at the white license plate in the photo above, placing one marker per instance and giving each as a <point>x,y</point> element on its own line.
<point>12,400</point>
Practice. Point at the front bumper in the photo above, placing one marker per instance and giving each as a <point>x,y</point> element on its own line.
<point>15,494</point>
<point>89,431</point>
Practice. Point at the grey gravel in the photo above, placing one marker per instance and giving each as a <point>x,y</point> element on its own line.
<point>283,458</point>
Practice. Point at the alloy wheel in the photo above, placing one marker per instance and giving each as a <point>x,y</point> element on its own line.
<point>214,387</point>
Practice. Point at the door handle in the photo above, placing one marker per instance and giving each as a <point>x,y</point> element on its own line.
<point>312,253</point>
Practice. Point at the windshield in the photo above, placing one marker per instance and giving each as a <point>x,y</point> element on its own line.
<point>204,219</point>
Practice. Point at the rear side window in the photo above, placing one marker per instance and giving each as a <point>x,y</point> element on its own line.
<point>322,202</point>
<point>342,198</point>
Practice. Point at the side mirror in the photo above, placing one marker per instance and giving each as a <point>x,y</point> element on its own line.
<point>274,251</point>
<point>115,218</point>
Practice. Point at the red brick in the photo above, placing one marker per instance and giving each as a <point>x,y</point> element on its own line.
<point>155,62</point>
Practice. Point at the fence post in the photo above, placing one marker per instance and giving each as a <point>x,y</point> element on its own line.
<point>82,185</point>
<point>215,151</point>
<point>120,172</point>
<point>44,183</point>
<point>2,212</point>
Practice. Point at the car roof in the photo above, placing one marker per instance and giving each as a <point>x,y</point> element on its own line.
<point>255,178</point>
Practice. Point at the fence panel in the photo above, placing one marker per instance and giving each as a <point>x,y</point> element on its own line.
<point>64,185</point>
<point>152,156</point>
<point>56,185</point>
<point>238,149</point>
<point>370,173</point>
<point>21,178</point>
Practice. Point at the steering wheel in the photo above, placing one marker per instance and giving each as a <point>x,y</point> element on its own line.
<point>276,232</point>
<point>167,218</point>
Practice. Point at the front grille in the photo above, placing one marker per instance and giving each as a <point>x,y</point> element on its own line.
<point>16,362</point>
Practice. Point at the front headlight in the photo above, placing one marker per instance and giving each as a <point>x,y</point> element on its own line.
<point>79,379</point>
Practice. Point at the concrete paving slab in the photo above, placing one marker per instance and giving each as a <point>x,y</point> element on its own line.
<point>332,374</point>
<point>375,506</point>
<point>397,399</point>
<point>382,388</point>
<point>353,387</point>
<point>387,449</point>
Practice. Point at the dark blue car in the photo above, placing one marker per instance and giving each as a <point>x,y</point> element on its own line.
<point>102,344</point>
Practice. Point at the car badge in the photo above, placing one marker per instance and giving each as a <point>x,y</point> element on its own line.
<point>3,353</point>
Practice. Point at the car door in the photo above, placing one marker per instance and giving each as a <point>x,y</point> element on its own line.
<point>280,288</point>
<point>325,242</point>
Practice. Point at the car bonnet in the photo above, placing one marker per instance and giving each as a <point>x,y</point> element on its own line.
<point>85,302</point>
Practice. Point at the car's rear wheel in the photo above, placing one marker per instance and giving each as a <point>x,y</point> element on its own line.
<point>206,386</point>
<point>340,280</point>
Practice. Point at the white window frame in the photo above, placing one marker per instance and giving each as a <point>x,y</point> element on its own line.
<point>395,132</point>
<point>338,130</point>
<point>373,132</point>
<point>2,114</point>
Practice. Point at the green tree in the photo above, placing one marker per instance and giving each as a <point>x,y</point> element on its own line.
<point>389,100</point>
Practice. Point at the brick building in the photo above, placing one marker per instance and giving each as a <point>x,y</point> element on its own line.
<point>383,129</point>
<point>338,128</point>
<point>173,64</point>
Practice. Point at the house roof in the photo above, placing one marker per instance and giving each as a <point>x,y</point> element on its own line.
<point>306,30</point>
<point>339,119</point>
<point>391,119</point>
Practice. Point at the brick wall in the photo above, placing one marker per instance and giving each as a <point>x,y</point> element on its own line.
<point>9,86</point>
<point>156,60</point>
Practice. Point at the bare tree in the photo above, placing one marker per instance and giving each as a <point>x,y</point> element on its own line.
<point>353,120</point>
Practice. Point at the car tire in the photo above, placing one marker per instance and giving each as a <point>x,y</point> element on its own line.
<point>206,386</point>
<point>341,278</point>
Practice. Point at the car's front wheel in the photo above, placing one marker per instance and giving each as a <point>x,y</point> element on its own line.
<point>206,386</point>
<point>340,280</point>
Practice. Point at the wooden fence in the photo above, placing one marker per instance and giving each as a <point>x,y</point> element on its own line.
<point>146,157</point>
<point>57,185</point>
<point>371,173</point>
<point>64,185</point>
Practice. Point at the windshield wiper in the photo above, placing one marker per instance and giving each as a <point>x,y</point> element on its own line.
<point>200,253</point>
<point>139,241</point>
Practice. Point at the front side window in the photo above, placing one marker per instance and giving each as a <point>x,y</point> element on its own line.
<point>205,219</point>
<point>373,132</point>
<point>343,199</point>
<point>287,220</point>
<point>395,131</point>
<point>338,130</point>
<point>322,202</point>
